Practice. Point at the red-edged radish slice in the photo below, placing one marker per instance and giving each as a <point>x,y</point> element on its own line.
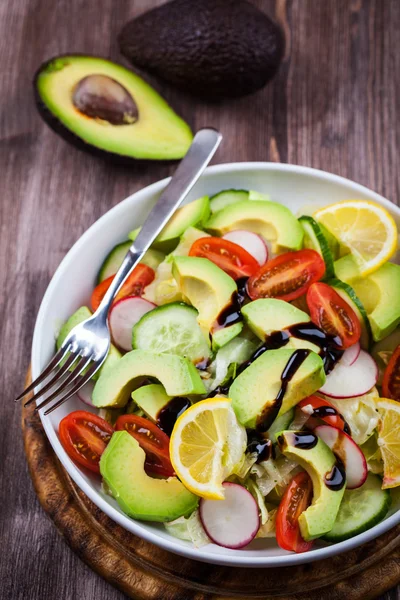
<point>232,522</point>
<point>124,314</point>
<point>350,355</point>
<point>349,453</point>
<point>354,380</point>
<point>85,393</point>
<point>251,242</point>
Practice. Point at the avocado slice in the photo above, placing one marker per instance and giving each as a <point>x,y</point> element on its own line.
<point>254,392</point>
<point>194,213</point>
<point>178,376</point>
<point>80,315</point>
<point>379,292</point>
<point>320,463</point>
<point>267,315</point>
<point>103,108</point>
<point>211,291</point>
<point>273,221</point>
<point>151,399</point>
<point>140,496</point>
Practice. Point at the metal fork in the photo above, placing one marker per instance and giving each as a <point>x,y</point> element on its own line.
<point>86,347</point>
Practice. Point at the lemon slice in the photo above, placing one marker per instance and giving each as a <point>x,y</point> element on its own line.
<point>206,444</point>
<point>362,227</point>
<point>389,441</point>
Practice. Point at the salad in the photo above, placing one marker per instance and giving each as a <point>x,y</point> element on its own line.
<point>252,388</point>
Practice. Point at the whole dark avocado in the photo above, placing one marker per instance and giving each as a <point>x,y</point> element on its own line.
<point>210,48</point>
<point>106,109</point>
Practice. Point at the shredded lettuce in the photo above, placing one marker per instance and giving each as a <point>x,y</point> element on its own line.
<point>373,455</point>
<point>259,498</point>
<point>267,529</point>
<point>223,367</point>
<point>242,469</point>
<point>189,529</point>
<point>271,473</point>
<point>360,413</point>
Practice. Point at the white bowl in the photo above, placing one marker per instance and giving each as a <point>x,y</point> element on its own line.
<point>71,287</point>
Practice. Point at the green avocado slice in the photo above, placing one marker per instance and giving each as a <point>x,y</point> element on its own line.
<point>254,391</point>
<point>318,460</point>
<point>104,108</point>
<point>178,376</point>
<point>140,496</point>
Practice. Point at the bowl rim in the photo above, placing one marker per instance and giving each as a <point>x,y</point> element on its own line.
<point>174,544</point>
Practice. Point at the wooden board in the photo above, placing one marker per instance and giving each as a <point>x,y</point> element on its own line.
<point>146,572</point>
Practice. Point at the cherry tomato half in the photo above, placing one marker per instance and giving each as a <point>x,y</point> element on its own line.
<point>286,276</point>
<point>322,410</point>
<point>84,436</point>
<point>154,442</point>
<point>333,315</point>
<point>297,497</point>
<point>228,256</point>
<point>391,377</point>
<point>140,277</point>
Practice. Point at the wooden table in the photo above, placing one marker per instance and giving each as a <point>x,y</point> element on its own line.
<point>334,105</point>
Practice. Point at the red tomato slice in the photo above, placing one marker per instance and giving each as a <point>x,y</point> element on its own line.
<point>297,497</point>
<point>391,377</point>
<point>333,315</point>
<point>228,256</point>
<point>84,436</point>
<point>286,276</point>
<point>140,277</point>
<point>154,442</point>
<point>323,411</point>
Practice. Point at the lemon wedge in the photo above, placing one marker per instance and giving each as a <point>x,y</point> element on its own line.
<point>363,228</point>
<point>389,441</point>
<point>206,444</point>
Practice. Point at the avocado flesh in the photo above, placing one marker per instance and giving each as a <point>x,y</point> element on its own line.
<point>210,290</point>
<point>254,391</point>
<point>268,315</point>
<point>158,133</point>
<point>178,376</point>
<point>79,316</point>
<point>140,496</point>
<point>274,222</point>
<point>318,461</point>
<point>194,213</point>
<point>151,399</point>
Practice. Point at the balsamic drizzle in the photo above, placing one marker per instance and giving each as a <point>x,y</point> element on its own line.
<point>336,478</point>
<point>330,411</point>
<point>257,443</point>
<point>305,440</point>
<point>168,415</point>
<point>270,412</point>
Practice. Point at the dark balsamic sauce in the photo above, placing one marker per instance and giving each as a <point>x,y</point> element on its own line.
<point>230,315</point>
<point>270,412</point>
<point>330,411</point>
<point>305,440</point>
<point>328,344</point>
<point>221,389</point>
<point>262,446</point>
<point>168,415</point>
<point>336,478</point>
<point>242,290</point>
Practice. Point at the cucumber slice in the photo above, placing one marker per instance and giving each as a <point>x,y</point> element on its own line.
<point>114,259</point>
<point>172,329</point>
<point>227,197</point>
<point>280,424</point>
<point>348,294</point>
<point>315,239</point>
<point>360,510</point>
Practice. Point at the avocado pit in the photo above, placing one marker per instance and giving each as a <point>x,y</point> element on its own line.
<point>101,97</point>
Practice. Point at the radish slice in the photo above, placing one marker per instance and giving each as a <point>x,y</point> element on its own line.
<point>85,393</point>
<point>350,355</point>
<point>349,453</point>
<point>353,380</point>
<point>251,242</point>
<point>124,315</point>
<point>232,522</point>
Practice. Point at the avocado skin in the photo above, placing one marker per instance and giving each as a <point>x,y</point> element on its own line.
<point>70,137</point>
<point>210,48</point>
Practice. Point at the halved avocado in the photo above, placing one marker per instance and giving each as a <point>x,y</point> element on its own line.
<point>102,107</point>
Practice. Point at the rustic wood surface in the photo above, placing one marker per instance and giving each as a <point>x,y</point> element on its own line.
<point>334,105</point>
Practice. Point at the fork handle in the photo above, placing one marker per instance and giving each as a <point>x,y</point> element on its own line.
<point>202,149</point>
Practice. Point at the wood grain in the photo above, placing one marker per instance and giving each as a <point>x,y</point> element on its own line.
<point>334,105</point>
